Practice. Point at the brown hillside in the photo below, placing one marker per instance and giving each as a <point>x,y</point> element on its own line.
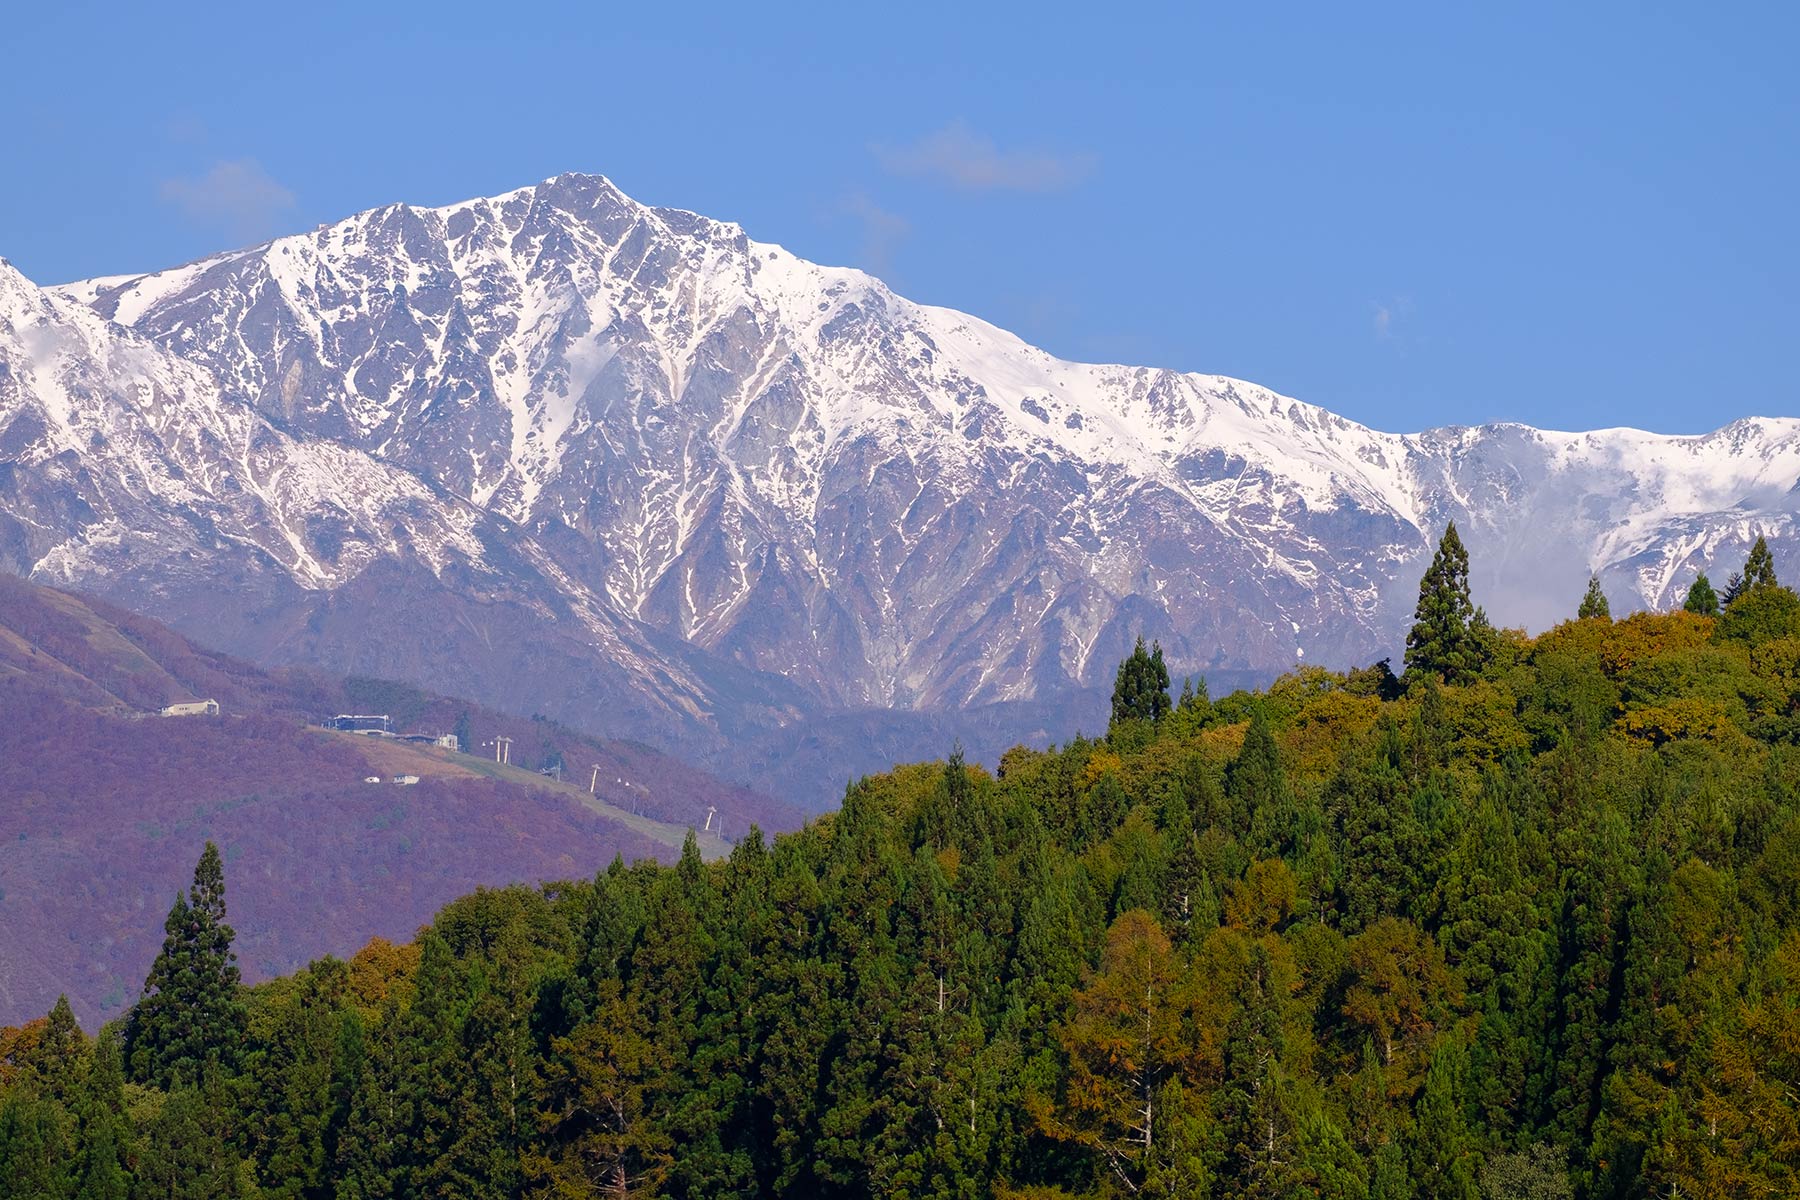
<point>104,806</point>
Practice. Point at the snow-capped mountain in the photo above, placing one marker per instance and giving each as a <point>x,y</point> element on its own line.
<point>713,449</point>
<point>125,470</point>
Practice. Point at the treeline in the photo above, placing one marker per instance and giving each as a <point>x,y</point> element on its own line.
<point>1521,922</point>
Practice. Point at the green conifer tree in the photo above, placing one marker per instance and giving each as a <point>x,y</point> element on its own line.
<point>305,1085</point>
<point>374,1153</point>
<point>100,1169</point>
<point>1759,568</point>
<point>1444,1161</point>
<point>1141,687</point>
<point>1254,1099</point>
<point>59,1059</point>
<point>1593,603</point>
<point>1734,587</point>
<point>1757,609</point>
<point>1597,885</point>
<point>1325,1163</point>
<point>191,1012</point>
<point>1390,1179</point>
<point>1375,838</point>
<point>187,1151</point>
<point>714,1123</point>
<point>1260,793</point>
<point>1701,598</point>
<point>35,1148</point>
<point>1440,642</point>
<point>1181,1161</point>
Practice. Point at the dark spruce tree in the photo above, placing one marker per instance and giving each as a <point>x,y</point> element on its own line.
<point>1758,572</point>
<point>1593,603</point>
<point>1141,688</point>
<point>1734,587</point>
<point>1701,598</point>
<point>191,1013</point>
<point>1441,641</point>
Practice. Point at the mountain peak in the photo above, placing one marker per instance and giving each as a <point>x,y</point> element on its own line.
<point>792,490</point>
<point>18,295</point>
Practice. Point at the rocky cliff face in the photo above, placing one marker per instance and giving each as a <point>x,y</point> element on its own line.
<point>127,469</point>
<point>630,466</point>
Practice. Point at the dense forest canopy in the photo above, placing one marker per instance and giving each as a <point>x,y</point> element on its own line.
<point>1521,923</point>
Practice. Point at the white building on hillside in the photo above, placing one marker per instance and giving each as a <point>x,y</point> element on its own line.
<point>193,708</point>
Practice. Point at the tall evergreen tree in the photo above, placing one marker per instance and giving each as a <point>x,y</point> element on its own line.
<point>59,1058</point>
<point>1593,603</point>
<point>188,1152</point>
<point>1376,839</point>
<point>305,1084</point>
<point>1759,568</point>
<point>100,1169</point>
<point>1596,887</point>
<point>375,1149</point>
<point>35,1148</point>
<point>1262,803</point>
<point>1253,1099</point>
<point>1701,598</point>
<point>191,1012</point>
<point>1444,1161</point>
<point>1141,687</point>
<point>1440,642</point>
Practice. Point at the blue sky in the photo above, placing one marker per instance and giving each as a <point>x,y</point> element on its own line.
<point>1572,215</point>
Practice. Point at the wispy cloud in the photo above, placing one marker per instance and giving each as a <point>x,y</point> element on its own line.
<point>237,196</point>
<point>1391,317</point>
<point>883,231</point>
<point>962,157</point>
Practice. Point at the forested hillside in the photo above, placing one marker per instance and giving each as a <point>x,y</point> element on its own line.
<point>1523,922</point>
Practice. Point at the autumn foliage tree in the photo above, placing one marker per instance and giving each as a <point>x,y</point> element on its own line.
<point>1124,1037</point>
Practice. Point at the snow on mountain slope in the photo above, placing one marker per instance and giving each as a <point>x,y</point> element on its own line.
<point>787,467</point>
<point>124,467</point>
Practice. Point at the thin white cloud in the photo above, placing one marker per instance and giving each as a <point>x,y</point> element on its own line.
<point>237,196</point>
<point>964,158</point>
<point>882,232</point>
<point>1392,319</point>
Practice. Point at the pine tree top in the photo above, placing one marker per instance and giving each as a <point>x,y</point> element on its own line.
<point>1593,604</point>
<point>1141,687</point>
<point>1759,569</point>
<point>1701,598</point>
<point>1441,642</point>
